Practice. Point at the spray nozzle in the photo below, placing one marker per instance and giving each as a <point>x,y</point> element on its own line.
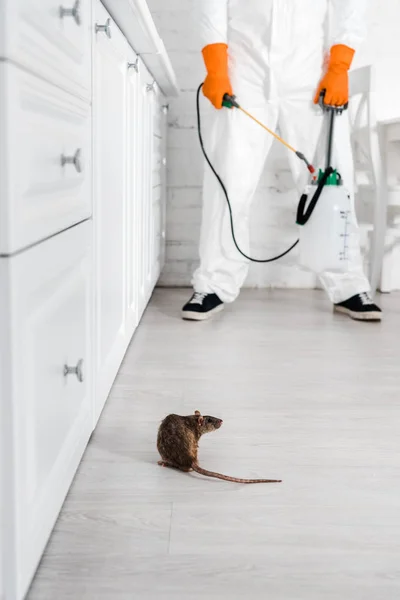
<point>301,156</point>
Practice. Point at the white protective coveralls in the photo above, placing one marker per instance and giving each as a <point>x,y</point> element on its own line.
<point>276,57</point>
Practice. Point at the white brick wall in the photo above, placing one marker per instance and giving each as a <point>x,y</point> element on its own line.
<point>272,219</point>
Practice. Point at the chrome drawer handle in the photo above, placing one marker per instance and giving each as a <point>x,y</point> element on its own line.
<point>106,28</point>
<point>78,370</point>
<point>73,160</point>
<point>72,12</point>
<point>134,65</point>
<point>151,87</point>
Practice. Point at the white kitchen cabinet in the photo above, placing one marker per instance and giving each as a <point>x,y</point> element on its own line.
<point>46,296</point>
<point>129,131</point>
<point>146,92</point>
<point>160,182</point>
<point>82,235</point>
<point>146,177</point>
<point>109,188</point>
<point>45,159</point>
<point>134,233</point>
<point>51,39</point>
<point>152,163</point>
<point>140,108</point>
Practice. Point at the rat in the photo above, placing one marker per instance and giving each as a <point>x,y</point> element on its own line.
<point>177,443</point>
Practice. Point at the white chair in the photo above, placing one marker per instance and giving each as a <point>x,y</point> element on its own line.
<point>370,168</point>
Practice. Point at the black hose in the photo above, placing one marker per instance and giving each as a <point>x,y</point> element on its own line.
<point>255,260</point>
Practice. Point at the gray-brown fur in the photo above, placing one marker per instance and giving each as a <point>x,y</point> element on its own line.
<point>178,439</point>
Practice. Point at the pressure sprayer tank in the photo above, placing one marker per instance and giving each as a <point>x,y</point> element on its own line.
<point>323,239</point>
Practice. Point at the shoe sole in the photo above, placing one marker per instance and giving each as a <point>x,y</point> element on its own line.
<point>187,315</point>
<point>356,316</point>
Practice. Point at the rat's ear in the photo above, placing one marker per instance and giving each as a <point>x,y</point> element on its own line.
<point>200,419</point>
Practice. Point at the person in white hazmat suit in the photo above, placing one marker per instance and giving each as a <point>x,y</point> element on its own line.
<point>274,56</point>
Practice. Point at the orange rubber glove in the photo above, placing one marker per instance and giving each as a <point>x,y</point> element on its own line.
<point>336,79</point>
<point>217,82</point>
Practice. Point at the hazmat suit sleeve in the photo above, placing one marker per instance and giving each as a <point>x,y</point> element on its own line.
<point>212,18</point>
<point>348,22</point>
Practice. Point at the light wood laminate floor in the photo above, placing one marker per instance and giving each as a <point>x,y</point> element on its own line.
<point>306,396</point>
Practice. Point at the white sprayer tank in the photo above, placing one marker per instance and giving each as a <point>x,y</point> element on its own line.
<point>323,239</point>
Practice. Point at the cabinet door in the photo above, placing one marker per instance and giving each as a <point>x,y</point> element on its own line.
<point>159,183</point>
<point>147,95</point>
<point>164,165</point>
<point>140,226</point>
<point>134,234</point>
<point>109,206</point>
<point>51,38</point>
<point>50,416</point>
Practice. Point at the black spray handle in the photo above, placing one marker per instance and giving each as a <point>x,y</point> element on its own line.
<point>329,107</point>
<point>230,101</point>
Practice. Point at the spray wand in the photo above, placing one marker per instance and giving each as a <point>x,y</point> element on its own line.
<point>230,102</point>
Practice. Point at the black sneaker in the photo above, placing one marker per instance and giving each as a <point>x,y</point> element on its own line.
<point>360,307</point>
<point>201,307</point>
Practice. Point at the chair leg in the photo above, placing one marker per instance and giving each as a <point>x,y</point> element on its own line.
<point>380,219</point>
<point>378,240</point>
<point>377,255</point>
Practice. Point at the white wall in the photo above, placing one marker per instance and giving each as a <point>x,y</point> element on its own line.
<point>273,212</point>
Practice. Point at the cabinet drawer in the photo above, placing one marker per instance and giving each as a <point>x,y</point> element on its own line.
<point>44,130</point>
<point>35,35</point>
<point>50,294</point>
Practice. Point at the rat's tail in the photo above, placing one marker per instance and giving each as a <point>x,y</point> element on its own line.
<point>198,469</point>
